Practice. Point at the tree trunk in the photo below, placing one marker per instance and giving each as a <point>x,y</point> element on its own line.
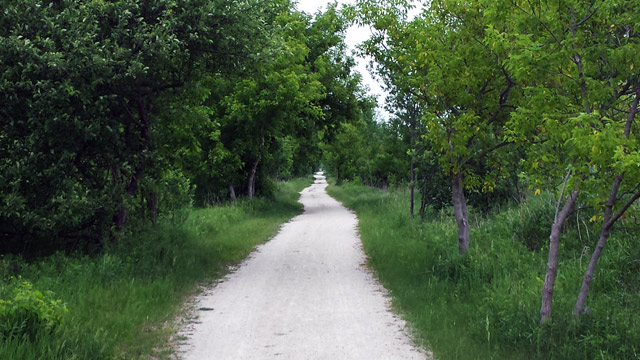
<point>251,190</point>
<point>412,186</point>
<point>144,161</point>
<point>460,212</point>
<point>423,203</point>
<point>121,218</point>
<point>232,191</point>
<point>131,189</point>
<point>412,127</point>
<point>579,309</point>
<point>609,218</point>
<point>554,245</point>
<point>602,241</point>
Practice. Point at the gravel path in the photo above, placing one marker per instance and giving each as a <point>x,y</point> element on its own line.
<point>303,295</point>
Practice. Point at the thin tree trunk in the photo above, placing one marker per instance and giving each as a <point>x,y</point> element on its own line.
<point>131,189</point>
<point>554,245</point>
<point>602,241</point>
<point>609,219</point>
<point>121,218</point>
<point>460,212</point>
<point>412,186</point>
<point>412,127</point>
<point>423,203</point>
<point>232,191</point>
<point>251,190</point>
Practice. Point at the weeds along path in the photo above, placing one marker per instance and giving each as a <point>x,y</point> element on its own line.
<point>306,294</point>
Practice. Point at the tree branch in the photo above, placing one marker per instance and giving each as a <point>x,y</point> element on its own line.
<point>564,186</point>
<point>487,151</point>
<point>622,210</point>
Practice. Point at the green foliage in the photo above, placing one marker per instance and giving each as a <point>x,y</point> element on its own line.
<point>83,95</point>
<point>113,111</point>
<point>28,313</point>
<point>273,113</point>
<point>342,155</point>
<point>486,304</point>
<point>580,83</point>
<point>460,84</point>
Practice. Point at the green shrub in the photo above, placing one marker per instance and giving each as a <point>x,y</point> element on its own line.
<point>267,186</point>
<point>29,313</point>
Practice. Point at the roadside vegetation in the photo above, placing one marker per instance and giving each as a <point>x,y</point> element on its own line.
<point>120,303</point>
<point>514,127</point>
<point>143,145</point>
<point>513,124</point>
<point>485,304</point>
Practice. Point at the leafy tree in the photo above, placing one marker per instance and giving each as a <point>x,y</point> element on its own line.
<point>443,60</point>
<point>577,66</point>
<point>83,87</point>
<point>266,105</point>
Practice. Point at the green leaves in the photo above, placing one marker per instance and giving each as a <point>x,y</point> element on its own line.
<point>29,312</point>
<point>577,75</point>
<point>443,58</point>
<point>103,101</point>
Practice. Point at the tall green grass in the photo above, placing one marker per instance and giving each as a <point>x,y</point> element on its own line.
<point>120,302</point>
<point>485,305</point>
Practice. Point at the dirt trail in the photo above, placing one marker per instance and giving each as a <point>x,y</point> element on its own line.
<point>303,295</point>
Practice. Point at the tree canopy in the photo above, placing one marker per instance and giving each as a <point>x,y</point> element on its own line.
<point>108,107</point>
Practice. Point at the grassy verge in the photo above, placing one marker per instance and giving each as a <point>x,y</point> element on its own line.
<point>118,302</point>
<point>485,305</point>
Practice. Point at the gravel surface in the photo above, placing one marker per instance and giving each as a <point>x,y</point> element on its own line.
<point>306,294</point>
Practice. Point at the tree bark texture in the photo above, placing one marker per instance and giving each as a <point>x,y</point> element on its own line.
<point>552,263</point>
<point>460,212</point>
